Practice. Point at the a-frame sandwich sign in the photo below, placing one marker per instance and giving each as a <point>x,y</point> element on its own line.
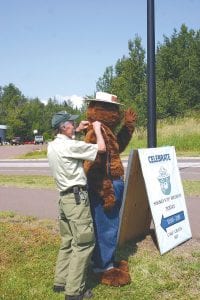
<point>153,188</point>
<point>135,217</point>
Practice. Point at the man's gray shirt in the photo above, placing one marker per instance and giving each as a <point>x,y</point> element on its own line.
<point>66,157</point>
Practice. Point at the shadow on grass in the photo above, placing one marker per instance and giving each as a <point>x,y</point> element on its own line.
<point>122,253</point>
<point>154,238</point>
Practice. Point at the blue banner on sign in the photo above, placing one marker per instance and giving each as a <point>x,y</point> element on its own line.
<point>171,220</point>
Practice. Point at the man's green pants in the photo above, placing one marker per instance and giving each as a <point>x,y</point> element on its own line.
<point>78,240</point>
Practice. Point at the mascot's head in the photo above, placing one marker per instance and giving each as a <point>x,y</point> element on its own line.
<point>105,109</point>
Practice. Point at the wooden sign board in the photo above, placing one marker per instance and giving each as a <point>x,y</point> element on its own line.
<point>135,216</point>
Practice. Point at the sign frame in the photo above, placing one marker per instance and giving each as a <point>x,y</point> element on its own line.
<point>150,172</point>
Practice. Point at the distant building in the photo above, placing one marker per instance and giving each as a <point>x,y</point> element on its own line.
<point>2,133</point>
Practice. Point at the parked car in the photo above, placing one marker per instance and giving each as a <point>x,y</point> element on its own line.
<point>39,139</point>
<point>27,142</point>
<point>16,141</point>
<point>6,143</point>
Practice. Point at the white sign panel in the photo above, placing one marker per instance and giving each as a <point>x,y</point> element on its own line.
<point>166,196</point>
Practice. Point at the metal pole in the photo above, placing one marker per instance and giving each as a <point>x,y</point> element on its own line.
<point>151,86</point>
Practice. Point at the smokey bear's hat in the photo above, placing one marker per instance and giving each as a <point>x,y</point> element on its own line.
<point>105,97</point>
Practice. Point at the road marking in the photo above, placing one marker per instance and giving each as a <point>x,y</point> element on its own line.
<point>45,164</point>
<point>189,165</point>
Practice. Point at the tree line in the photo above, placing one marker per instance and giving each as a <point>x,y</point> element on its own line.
<point>24,115</point>
<point>177,75</point>
<point>177,86</point>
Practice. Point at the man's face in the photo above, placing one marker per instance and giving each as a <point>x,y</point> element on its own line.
<point>68,128</point>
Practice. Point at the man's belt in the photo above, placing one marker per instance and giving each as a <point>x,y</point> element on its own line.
<point>74,189</point>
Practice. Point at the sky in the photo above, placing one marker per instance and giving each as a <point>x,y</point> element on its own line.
<point>60,48</point>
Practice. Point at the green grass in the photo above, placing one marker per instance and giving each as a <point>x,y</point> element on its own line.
<point>183,133</point>
<point>34,155</point>
<point>191,188</point>
<point>29,249</point>
<point>28,181</point>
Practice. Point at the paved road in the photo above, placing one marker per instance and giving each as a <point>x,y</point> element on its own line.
<point>24,167</point>
<point>189,167</point>
<point>41,203</point>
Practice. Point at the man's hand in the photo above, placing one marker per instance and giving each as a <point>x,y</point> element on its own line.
<point>96,125</point>
<point>82,126</point>
<point>100,140</point>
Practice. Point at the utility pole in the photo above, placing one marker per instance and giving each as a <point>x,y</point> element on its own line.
<point>151,86</point>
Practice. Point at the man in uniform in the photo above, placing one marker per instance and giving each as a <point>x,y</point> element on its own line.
<point>66,155</point>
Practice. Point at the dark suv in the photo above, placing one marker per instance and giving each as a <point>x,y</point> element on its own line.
<point>16,141</point>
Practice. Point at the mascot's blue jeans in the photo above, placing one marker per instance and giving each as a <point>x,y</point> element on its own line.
<point>106,224</point>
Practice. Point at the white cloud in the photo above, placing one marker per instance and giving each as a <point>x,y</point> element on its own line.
<point>77,101</point>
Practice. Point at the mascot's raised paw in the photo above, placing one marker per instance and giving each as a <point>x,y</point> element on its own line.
<point>129,116</point>
<point>114,277</point>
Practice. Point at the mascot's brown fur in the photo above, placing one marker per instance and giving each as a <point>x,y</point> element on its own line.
<point>108,166</point>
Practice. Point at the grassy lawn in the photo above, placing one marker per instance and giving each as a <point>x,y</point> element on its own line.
<point>28,181</point>
<point>27,259</point>
<point>34,155</point>
<point>172,132</point>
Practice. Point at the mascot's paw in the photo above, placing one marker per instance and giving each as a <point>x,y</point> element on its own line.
<point>108,194</point>
<point>114,277</point>
<point>122,265</point>
<point>129,116</point>
<point>108,205</point>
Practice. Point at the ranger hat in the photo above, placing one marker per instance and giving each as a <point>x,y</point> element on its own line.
<point>105,97</point>
<point>61,117</point>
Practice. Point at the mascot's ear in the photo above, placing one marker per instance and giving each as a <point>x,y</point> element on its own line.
<point>90,113</point>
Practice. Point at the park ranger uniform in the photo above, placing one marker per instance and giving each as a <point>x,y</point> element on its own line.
<point>65,157</point>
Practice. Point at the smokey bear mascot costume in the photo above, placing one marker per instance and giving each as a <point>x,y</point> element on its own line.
<point>106,185</point>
